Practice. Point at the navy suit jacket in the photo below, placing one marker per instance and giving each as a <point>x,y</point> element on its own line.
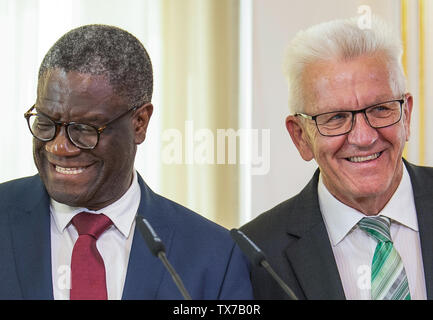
<point>205,257</point>
<point>293,235</point>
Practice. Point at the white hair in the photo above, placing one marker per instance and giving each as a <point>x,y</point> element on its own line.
<point>341,40</point>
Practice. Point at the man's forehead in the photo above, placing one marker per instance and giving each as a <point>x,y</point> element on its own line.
<point>80,82</point>
<point>58,85</point>
<point>353,83</point>
<point>72,92</point>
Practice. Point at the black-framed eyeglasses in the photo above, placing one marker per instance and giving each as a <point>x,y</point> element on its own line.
<point>337,123</point>
<point>81,135</point>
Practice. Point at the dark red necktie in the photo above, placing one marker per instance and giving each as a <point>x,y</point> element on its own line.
<point>87,266</point>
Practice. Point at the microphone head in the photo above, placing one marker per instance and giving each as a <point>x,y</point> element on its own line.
<point>248,247</point>
<point>154,243</point>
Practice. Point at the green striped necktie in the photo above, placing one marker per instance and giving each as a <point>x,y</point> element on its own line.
<point>388,277</point>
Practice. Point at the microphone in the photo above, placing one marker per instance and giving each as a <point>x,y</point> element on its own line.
<point>257,257</point>
<point>156,246</point>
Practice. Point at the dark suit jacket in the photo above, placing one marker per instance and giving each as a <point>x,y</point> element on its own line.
<point>294,238</point>
<point>203,254</point>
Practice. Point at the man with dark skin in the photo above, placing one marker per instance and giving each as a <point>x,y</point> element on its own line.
<point>69,232</point>
<point>94,178</point>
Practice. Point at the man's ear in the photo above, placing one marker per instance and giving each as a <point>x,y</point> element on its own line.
<point>407,111</point>
<point>299,137</point>
<point>141,122</point>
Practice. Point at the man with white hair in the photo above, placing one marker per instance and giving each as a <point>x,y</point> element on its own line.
<point>361,227</point>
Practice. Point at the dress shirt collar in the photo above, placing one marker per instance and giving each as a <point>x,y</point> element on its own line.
<point>340,219</point>
<point>122,212</point>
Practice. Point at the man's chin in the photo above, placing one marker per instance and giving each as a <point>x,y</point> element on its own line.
<point>69,197</point>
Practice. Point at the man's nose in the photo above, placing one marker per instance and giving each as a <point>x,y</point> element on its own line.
<point>61,146</point>
<point>362,133</point>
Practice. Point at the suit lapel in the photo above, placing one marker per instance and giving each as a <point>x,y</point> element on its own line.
<point>424,210</point>
<point>319,276</point>
<point>145,271</point>
<point>30,230</point>
<point>31,241</point>
<point>310,254</point>
<point>313,263</point>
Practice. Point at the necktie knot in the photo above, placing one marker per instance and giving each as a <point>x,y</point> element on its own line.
<point>91,224</point>
<point>377,227</point>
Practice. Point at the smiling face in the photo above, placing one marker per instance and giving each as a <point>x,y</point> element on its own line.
<point>364,167</point>
<point>87,178</point>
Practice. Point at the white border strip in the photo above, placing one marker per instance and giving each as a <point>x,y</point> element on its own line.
<point>245,104</point>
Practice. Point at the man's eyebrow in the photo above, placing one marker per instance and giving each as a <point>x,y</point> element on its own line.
<point>377,100</point>
<point>48,99</point>
<point>40,112</point>
<point>93,119</point>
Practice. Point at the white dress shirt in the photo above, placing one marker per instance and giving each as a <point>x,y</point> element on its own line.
<point>114,244</point>
<point>353,248</point>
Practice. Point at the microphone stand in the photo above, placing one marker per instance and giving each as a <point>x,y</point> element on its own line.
<point>177,280</point>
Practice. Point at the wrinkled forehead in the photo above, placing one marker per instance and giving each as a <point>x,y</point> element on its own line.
<point>61,92</point>
<point>59,80</point>
<point>341,85</point>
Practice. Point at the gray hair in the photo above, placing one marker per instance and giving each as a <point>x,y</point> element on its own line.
<point>108,51</point>
<point>341,40</point>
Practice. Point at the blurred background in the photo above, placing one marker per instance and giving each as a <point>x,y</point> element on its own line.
<point>217,141</point>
